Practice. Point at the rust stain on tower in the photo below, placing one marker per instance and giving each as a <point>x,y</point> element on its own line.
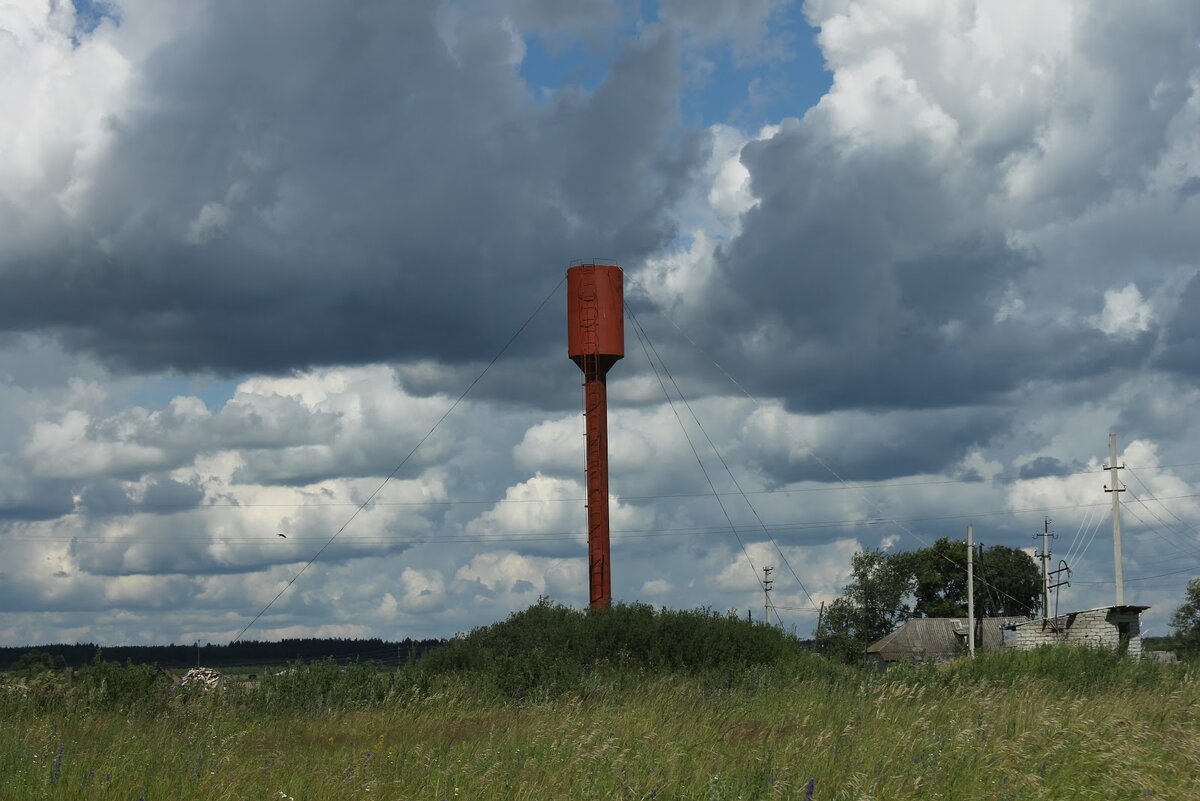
<point>595,341</point>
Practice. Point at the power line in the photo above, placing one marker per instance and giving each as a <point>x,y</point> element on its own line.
<point>1084,527</point>
<point>1188,548</point>
<point>405,460</point>
<point>1166,508</point>
<point>1095,528</point>
<point>1192,568</point>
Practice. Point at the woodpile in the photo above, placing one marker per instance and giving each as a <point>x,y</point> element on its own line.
<point>202,677</point>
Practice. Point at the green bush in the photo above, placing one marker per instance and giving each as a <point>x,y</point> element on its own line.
<point>109,685</point>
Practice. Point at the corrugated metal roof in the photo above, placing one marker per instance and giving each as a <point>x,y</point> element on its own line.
<point>938,637</point>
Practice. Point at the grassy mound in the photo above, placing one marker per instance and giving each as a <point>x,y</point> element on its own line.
<point>549,647</point>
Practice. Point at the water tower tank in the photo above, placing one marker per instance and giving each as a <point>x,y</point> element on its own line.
<point>595,313</point>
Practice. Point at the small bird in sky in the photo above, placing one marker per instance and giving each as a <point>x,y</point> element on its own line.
<point>281,534</point>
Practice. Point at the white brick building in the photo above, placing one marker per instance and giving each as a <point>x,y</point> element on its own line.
<point>1115,627</point>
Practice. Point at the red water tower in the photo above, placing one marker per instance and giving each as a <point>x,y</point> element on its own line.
<point>595,341</point>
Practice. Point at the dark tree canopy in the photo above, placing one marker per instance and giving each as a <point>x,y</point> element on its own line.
<point>1008,583</point>
<point>1186,620</point>
<point>939,575</point>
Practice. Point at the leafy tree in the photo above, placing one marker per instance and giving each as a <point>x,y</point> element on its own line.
<point>1008,583</point>
<point>1186,620</point>
<point>939,575</point>
<point>872,604</point>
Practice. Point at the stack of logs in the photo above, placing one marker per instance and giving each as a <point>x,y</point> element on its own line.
<point>202,677</point>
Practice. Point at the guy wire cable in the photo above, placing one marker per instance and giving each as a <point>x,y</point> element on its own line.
<point>703,469</point>
<point>638,327</point>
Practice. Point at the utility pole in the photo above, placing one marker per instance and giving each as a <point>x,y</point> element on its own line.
<point>1044,555</point>
<point>820,619</point>
<point>1116,489</point>
<point>971,591</point>
<point>767,594</point>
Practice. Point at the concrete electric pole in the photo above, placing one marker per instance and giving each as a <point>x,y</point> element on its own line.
<point>1044,555</point>
<point>767,594</point>
<point>1116,489</point>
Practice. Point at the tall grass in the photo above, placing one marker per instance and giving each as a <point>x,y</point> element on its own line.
<point>652,724</point>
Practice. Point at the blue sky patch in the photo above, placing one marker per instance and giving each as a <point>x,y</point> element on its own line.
<point>89,14</point>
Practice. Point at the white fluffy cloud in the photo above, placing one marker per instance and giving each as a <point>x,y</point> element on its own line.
<point>1125,315</point>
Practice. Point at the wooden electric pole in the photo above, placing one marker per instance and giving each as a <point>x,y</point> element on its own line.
<point>971,591</point>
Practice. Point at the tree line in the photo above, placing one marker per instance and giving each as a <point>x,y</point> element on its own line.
<point>242,653</point>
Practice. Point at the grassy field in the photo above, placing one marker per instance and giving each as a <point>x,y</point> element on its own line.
<point>1049,725</point>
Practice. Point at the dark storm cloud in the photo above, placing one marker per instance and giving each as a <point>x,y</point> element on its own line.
<point>104,497</point>
<point>1189,188</point>
<point>1181,341</point>
<point>347,185</point>
<point>851,285</point>
<point>857,447</point>
<point>26,497</point>
<point>1042,466</point>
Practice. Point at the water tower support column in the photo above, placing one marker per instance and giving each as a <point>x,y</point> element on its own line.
<point>595,394</point>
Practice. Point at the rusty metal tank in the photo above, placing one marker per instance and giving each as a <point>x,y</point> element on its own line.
<point>595,313</point>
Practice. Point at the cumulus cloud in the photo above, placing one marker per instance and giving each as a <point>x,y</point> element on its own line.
<point>1125,315</point>
<point>907,204</point>
<point>942,284</point>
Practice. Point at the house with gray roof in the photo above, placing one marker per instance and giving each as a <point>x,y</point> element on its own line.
<point>937,638</point>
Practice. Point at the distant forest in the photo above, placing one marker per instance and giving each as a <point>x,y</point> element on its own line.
<point>245,653</point>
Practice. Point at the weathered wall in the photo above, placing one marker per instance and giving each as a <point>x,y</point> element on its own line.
<point>1095,627</point>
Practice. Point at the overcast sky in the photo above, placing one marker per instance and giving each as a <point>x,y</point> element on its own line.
<point>907,264</point>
